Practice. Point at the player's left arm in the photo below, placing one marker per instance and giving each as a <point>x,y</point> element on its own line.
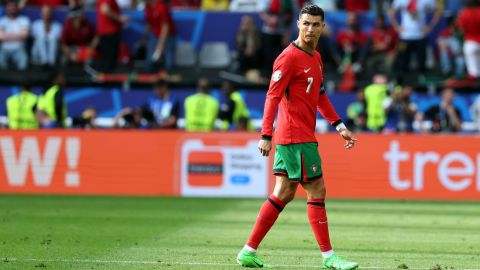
<point>326,109</point>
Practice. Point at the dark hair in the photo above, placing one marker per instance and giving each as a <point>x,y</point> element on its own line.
<point>313,10</point>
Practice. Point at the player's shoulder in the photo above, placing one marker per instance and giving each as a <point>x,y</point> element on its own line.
<point>287,53</point>
<point>318,56</point>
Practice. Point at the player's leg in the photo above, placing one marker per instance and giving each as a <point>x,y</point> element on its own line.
<point>317,216</point>
<point>312,182</point>
<point>283,193</point>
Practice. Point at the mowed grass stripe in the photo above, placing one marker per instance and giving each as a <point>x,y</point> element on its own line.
<point>197,233</point>
<point>195,264</point>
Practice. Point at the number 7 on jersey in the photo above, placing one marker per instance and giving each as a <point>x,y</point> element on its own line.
<point>310,82</point>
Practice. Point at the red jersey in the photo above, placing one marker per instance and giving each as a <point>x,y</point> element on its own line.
<point>388,37</point>
<point>157,15</point>
<point>357,5</point>
<point>468,21</point>
<point>81,36</point>
<point>355,39</point>
<point>105,25</point>
<point>296,85</point>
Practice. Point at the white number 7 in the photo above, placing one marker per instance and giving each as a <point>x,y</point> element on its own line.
<point>310,81</point>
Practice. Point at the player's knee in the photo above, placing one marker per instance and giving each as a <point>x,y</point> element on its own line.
<point>318,193</point>
<point>286,196</point>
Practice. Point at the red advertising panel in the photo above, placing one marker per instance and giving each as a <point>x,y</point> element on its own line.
<point>228,164</point>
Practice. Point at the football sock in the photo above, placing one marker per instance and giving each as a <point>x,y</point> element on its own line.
<point>249,248</point>
<point>317,215</point>
<point>267,216</point>
<point>327,254</point>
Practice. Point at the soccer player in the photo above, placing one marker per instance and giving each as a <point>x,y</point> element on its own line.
<point>296,84</point>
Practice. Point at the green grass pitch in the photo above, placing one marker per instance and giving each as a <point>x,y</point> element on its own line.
<point>91,232</point>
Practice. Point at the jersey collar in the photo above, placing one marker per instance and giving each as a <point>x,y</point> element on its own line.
<point>302,49</point>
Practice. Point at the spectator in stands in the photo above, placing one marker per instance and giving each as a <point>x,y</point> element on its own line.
<point>233,109</point>
<point>445,117</point>
<point>133,118</point>
<point>246,6</point>
<point>356,5</point>
<point>161,34</point>
<point>46,35</point>
<point>450,49</point>
<point>475,113</point>
<point>51,108</point>
<point>277,18</point>
<point>87,120</point>
<point>14,31</point>
<point>469,21</point>
<point>356,113</point>
<point>21,109</point>
<point>248,44</point>
<point>400,110</point>
<point>109,26</point>
<point>413,29</point>
<point>186,4</point>
<point>77,37</point>
<point>383,46</point>
<point>352,43</point>
<point>215,5</point>
<point>165,109</point>
<point>201,109</point>
<point>375,94</point>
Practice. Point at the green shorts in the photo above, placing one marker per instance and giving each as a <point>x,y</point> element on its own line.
<point>299,162</point>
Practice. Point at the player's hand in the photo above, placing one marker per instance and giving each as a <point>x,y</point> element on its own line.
<point>264,146</point>
<point>348,137</point>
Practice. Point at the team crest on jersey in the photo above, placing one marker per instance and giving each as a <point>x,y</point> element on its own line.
<point>277,75</point>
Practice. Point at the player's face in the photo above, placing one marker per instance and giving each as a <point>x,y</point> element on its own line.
<point>310,27</point>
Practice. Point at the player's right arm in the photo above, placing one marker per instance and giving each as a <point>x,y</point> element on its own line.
<point>282,72</point>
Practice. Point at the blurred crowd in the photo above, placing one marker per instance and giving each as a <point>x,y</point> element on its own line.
<point>203,112</point>
<point>388,107</point>
<point>399,42</point>
<point>396,46</point>
<point>384,106</point>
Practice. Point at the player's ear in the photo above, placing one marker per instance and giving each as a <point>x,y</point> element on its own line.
<point>298,24</point>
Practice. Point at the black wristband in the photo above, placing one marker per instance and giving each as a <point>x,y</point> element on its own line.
<point>336,123</point>
<point>266,137</point>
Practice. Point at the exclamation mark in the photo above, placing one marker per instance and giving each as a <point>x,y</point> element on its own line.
<point>72,177</point>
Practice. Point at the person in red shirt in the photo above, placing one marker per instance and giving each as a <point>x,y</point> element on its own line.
<point>296,86</point>
<point>382,46</point>
<point>357,5</point>
<point>352,42</point>
<point>185,4</point>
<point>109,26</point>
<point>160,31</point>
<point>469,21</point>
<point>77,36</point>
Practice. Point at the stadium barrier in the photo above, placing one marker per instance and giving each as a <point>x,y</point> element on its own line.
<point>175,163</point>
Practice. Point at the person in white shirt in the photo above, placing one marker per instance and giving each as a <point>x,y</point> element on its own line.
<point>413,28</point>
<point>13,35</point>
<point>46,36</point>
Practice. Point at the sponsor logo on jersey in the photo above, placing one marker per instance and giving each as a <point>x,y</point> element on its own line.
<point>306,70</point>
<point>277,75</point>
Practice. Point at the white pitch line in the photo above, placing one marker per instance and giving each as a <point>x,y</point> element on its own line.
<point>193,263</point>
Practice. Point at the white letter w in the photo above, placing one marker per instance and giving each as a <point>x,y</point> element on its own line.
<point>42,166</point>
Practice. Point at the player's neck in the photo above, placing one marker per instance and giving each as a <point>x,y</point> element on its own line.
<point>307,46</point>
